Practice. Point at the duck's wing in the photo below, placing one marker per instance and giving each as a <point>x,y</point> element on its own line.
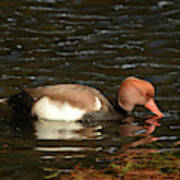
<point>83,97</point>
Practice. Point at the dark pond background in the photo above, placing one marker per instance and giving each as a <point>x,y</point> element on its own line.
<point>98,43</point>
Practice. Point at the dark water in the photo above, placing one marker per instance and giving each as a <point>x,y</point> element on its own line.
<point>98,43</point>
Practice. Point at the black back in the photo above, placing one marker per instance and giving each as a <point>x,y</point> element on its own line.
<point>21,102</point>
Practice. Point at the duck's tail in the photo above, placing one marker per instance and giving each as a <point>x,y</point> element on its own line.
<point>3,100</point>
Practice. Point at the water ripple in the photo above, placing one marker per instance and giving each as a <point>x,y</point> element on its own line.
<point>98,43</point>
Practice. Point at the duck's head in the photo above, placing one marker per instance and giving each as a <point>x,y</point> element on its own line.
<point>134,91</point>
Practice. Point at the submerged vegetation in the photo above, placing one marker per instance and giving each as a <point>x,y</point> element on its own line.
<point>128,166</point>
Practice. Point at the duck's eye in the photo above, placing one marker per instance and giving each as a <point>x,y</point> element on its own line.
<point>149,95</point>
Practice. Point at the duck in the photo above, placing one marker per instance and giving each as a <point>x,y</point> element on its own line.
<point>74,102</point>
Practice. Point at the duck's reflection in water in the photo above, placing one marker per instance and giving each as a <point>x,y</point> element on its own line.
<point>144,132</point>
<point>54,130</point>
<point>60,139</point>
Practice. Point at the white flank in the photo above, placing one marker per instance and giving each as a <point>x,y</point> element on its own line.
<point>48,109</point>
<point>98,104</point>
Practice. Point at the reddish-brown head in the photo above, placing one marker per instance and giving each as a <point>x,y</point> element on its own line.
<point>134,91</point>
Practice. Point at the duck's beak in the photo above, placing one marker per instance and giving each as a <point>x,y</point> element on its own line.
<point>151,105</point>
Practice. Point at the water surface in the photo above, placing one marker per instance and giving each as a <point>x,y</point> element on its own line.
<point>97,43</point>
